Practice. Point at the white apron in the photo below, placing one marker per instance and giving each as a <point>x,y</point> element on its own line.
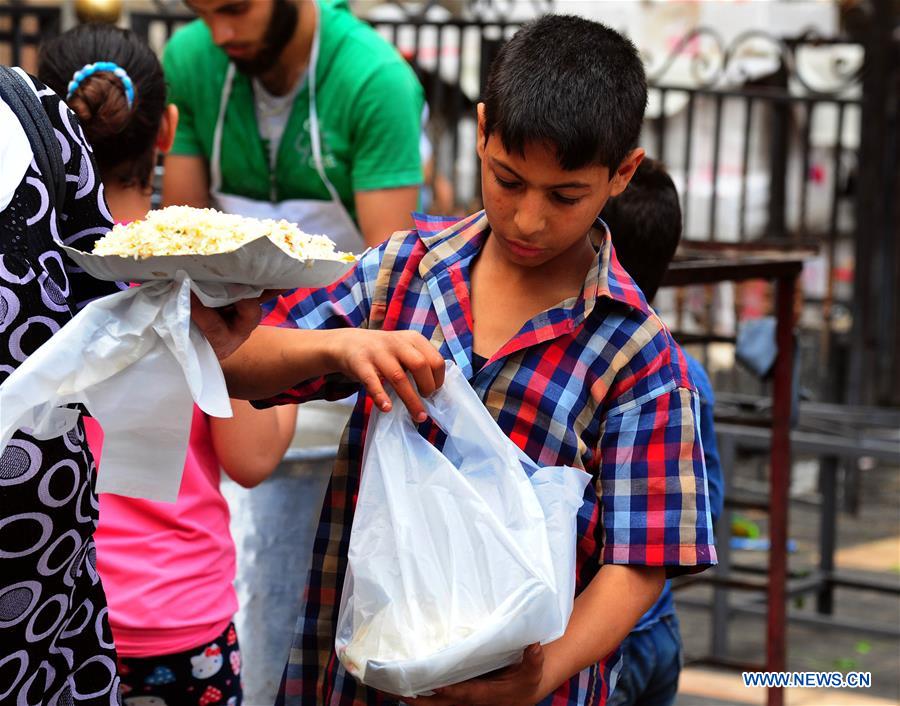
<point>315,216</point>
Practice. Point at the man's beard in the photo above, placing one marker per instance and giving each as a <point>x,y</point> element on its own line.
<point>281,29</point>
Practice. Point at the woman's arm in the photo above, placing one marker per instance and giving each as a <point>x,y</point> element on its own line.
<point>251,444</point>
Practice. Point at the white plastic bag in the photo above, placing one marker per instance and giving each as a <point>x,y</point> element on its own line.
<point>458,559</point>
<point>138,363</point>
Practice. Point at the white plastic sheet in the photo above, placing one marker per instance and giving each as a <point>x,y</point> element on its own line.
<point>138,363</point>
<point>458,559</point>
<point>126,357</point>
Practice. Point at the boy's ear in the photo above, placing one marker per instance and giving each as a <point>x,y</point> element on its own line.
<point>480,141</point>
<point>165,138</point>
<point>626,170</point>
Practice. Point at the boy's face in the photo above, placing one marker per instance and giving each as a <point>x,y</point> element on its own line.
<point>539,211</point>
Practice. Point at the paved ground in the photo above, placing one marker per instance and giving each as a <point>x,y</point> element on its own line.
<point>869,545</point>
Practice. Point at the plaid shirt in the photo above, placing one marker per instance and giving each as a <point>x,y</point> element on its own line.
<point>596,383</point>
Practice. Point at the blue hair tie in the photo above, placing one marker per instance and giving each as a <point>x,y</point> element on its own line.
<point>91,69</point>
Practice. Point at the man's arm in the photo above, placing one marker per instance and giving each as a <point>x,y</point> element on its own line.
<point>381,212</point>
<point>386,166</point>
<point>602,617</point>
<point>185,181</point>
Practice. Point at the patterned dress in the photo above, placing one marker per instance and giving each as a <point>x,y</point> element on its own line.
<point>55,644</point>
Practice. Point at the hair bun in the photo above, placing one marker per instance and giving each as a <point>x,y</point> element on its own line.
<point>101,106</point>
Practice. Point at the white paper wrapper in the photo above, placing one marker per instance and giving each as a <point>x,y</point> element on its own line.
<point>260,263</point>
<point>127,358</point>
<point>138,363</point>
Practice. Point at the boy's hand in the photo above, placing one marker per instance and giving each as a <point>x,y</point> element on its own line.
<point>518,685</point>
<point>376,356</point>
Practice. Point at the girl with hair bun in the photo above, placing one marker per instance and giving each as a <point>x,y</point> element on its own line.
<point>125,133</point>
<point>168,568</point>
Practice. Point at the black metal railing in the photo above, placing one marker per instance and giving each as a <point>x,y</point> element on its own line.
<point>22,29</point>
<point>796,193</point>
<point>768,154</point>
<point>790,187</point>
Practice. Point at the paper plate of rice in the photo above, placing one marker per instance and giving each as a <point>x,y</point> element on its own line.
<point>211,246</point>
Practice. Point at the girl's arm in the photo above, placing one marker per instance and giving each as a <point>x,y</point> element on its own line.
<point>251,444</point>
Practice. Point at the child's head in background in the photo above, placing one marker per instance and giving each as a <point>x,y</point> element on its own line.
<point>125,120</point>
<point>645,223</point>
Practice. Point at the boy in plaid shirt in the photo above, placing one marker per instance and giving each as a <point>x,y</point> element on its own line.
<point>528,299</point>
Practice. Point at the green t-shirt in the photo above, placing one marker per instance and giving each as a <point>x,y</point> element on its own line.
<point>368,100</point>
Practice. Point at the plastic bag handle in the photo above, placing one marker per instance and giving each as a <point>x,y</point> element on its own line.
<point>456,405</point>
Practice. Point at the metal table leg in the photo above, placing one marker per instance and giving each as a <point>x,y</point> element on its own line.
<point>827,533</point>
<point>780,482</point>
<point>719,646</point>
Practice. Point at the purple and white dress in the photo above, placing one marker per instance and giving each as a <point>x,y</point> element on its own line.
<point>55,643</point>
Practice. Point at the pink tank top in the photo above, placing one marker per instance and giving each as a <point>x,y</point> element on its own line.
<point>168,568</point>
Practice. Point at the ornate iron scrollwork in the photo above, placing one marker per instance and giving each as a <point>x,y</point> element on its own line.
<point>712,60</point>
<point>502,11</point>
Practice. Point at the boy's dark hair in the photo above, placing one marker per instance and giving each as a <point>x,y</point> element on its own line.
<point>123,138</point>
<point>645,223</point>
<point>568,82</point>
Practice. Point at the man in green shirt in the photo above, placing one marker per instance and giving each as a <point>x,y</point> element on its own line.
<point>294,109</point>
<point>290,109</point>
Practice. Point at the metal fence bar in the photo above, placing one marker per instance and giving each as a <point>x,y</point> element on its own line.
<point>661,127</point>
<point>17,38</point>
<point>780,469</point>
<point>809,108</point>
<point>688,144</point>
<point>870,204</point>
<point>775,96</point>
<point>717,149</point>
<point>831,241</point>
<point>745,165</point>
<point>779,147</point>
<point>456,110</point>
<point>393,31</point>
<point>828,519</point>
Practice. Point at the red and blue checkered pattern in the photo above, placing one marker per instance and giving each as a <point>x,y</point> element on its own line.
<point>596,383</point>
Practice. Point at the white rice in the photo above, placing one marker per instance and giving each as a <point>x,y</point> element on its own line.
<point>183,230</point>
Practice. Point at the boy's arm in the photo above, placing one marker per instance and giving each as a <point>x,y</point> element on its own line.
<point>602,617</point>
<point>315,333</point>
<point>276,359</point>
